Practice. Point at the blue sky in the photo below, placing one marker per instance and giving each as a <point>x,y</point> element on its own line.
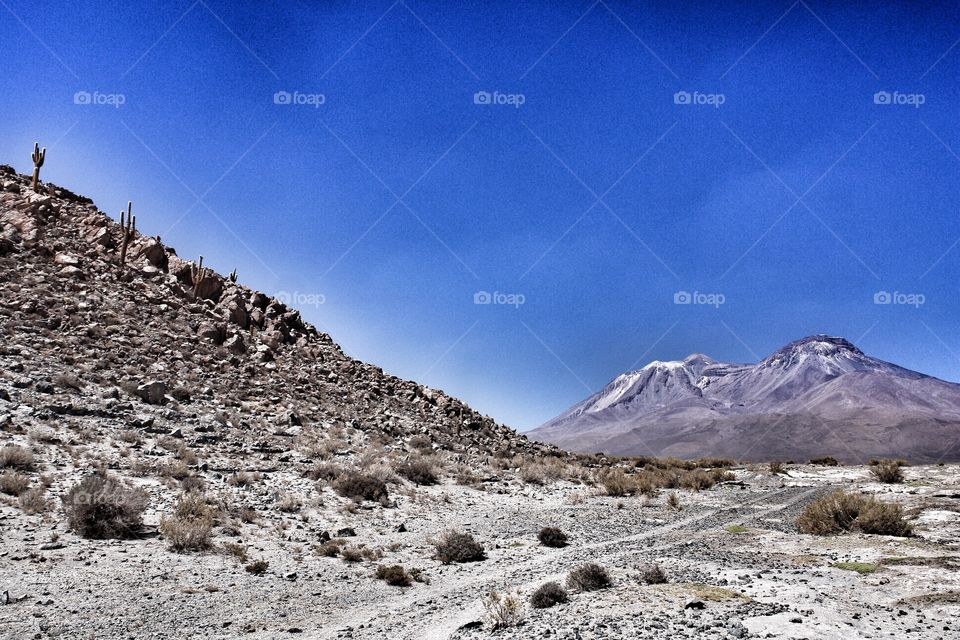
<point>617,155</point>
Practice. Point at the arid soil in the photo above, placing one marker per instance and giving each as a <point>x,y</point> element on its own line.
<point>764,581</point>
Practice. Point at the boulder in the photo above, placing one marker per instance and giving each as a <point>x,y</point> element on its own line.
<point>152,392</point>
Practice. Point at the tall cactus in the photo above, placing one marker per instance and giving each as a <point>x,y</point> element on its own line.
<point>128,229</point>
<point>38,157</point>
<point>233,275</point>
<point>197,274</point>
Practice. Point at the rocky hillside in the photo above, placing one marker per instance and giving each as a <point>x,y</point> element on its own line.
<point>161,345</point>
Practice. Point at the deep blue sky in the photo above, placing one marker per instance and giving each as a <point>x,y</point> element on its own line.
<point>497,198</point>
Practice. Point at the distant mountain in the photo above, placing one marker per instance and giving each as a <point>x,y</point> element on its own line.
<point>817,396</point>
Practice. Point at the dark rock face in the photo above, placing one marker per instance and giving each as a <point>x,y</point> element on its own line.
<point>814,397</point>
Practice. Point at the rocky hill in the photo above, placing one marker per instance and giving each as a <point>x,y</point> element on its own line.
<point>162,344</point>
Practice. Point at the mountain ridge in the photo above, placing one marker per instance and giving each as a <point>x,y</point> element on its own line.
<point>818,385</point>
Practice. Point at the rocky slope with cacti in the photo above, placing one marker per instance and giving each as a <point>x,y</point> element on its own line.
<point>137,335</point>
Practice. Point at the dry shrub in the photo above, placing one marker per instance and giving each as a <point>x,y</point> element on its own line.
<point>236,550</point>
<point>456,546</point>
<point>242,478</point>
<point>419,470</point>
<point>841,511</point>
<point>188,529</point>
<point>324,471</point>
<point>825,461</point>
<point>616,483</point>
<point>588,577</point>
<point>552,537</point>
<point>330,548</point>
<point>887,471</point>
<point>652,574</point>
<point>548,595</point>
<point>257,567</point>
<point>351,554</point>
<point>502,611</point>
<point>13,456</point>
<point>288,503</point>
<point>33,501</point>
<point>359,486</point>
<point>394,575</point>
<point>776,467</point>
<point>100,506</point>
<point>699,479</point>
<point>13,483</point>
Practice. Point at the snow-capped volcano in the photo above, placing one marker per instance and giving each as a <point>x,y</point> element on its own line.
<point>820,395</point>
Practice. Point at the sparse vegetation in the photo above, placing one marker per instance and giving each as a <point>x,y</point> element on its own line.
<point>359,486</point>
<point>777,467</point>
<point>736,528</point>
<point>13,483</point>
<point>552,537</point>
<point>394,575</point>
<point>588,577</point>
<point>33,501</point>
<point>257,567</point>
<point>860,567</point>
<point>190,526</point>
<point>652,574</point>
<point>13,456</point>
<point>673,502</point>
<point>456,546</point>
<point>825,461</point>
<point>887,471</point>
<point>502,611</point>
<point>419,470</point>
<point>841,511</point>
<point>100,506</point>
<point>548,595</point>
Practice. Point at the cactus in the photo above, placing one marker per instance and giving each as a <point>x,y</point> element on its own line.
<point>197,275</point>
<point>233,275</point>
<point>128,229</point>
<point>38,158</point>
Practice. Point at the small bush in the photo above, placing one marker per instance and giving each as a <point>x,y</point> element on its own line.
<point>419,471</point>
<point>257,567</point>
<point>324,471</point>
<point>826,461</point>
<point>456,546</point>
<point>841,511</point>
<point>13,456</point>
<point>652,574</point>
<point>330,548</point>
<point>552,537</point>
<point>188,529</point>
<point>236,550</point>
<point>883,518</point>
<point>351,554</point>
<point>548,595</point>
<point>502,611</point>
<point>288,503</point>
<point>33,501</point>
<point>588,577</point>
<point>673,502</point>
<point>776,467</point>
<point>887,471</point>
<point>100,506</point>
<point>394,575</point>
<point>616,483</point>
<point>359,486</point>
<point>13,483</point>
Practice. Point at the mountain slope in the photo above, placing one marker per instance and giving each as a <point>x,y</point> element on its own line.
<point>154,343</point>
<point>816,396</point>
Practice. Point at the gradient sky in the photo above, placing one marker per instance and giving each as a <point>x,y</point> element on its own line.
<point>384,210</point>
